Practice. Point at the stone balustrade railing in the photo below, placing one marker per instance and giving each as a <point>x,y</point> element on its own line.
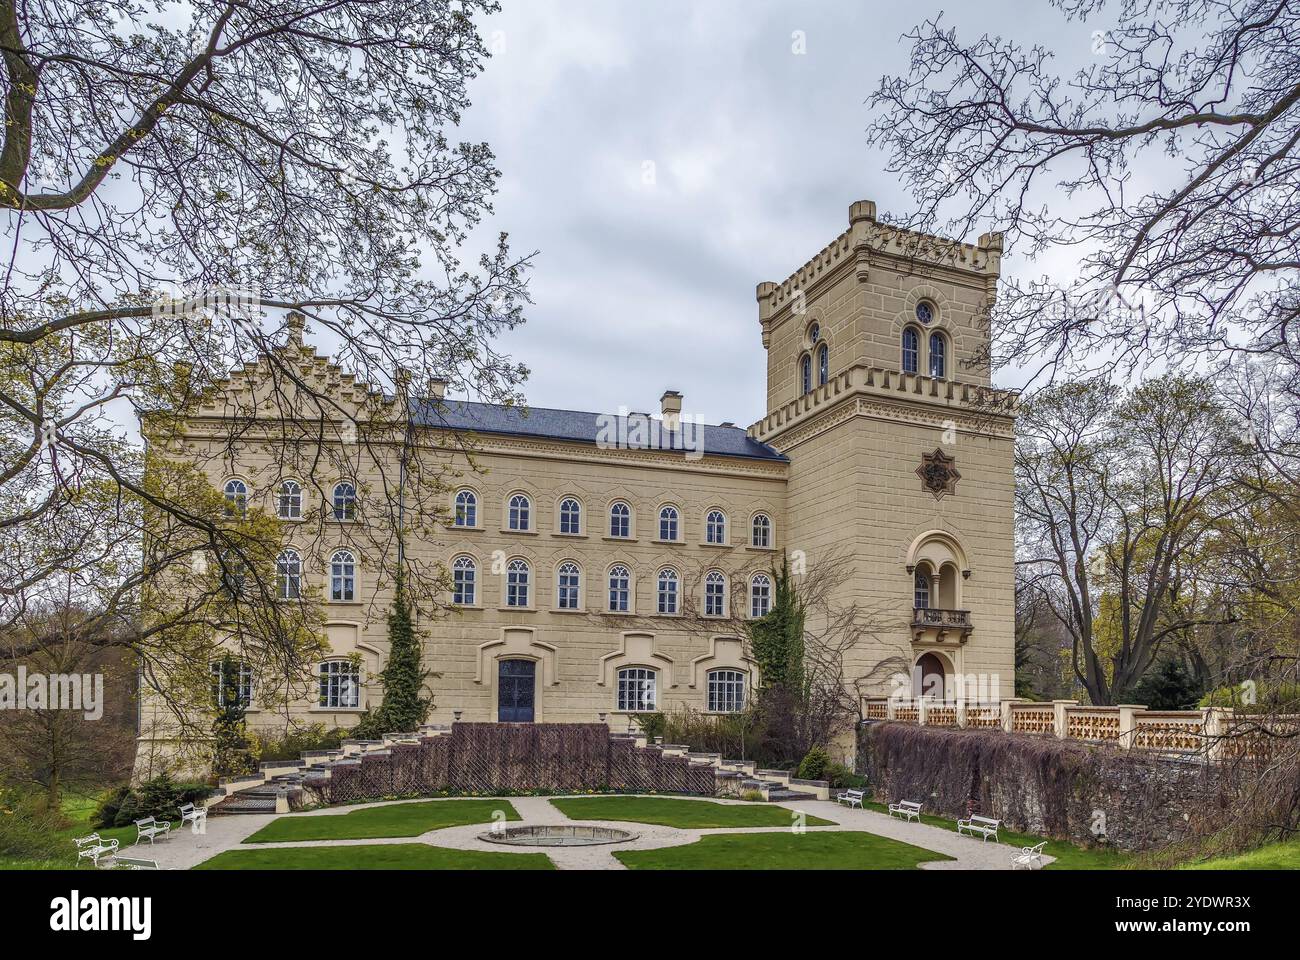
<point>1214,732</point>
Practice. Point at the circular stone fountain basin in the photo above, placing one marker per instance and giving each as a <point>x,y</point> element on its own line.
<point>559,835</point>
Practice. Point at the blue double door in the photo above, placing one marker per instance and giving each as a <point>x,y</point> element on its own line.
<point>516,691</point>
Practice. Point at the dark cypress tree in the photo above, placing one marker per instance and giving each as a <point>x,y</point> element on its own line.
<point>404,706</point>
<point>777,638</point>
<point>231,753</point>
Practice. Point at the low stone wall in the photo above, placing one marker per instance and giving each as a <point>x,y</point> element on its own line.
<point>1090,795</point>
<point>516,758</point>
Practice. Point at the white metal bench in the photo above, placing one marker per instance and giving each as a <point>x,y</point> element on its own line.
<point>93,847</point>
<point>851,798</point>
<point>1031,858</point>
<point>151,828</point>
<point>135,863</point>
<point>909,810</point>
<point>197,817</point>
<point>981,825</point>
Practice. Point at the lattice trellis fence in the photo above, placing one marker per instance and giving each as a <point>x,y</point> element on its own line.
<point>517,757</point>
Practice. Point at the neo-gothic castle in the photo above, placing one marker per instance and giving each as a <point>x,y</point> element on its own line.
<point>594,580</point>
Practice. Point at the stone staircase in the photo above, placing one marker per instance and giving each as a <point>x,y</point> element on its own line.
<point>278,786</point>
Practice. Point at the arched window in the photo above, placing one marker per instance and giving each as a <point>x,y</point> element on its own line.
<point>288,575</point>
<point>570,516</point>
<point>464,581</point>
<point>668,518</point>
<point>517,576</point>
<point>761,531</point>
<point>234,682</point>
<point>726,691</point>
<point>519,513</point>
<point>636,689</point>
<point>938,356</point>
<point>466,509</point>
<point>715,527</point>
<point>568,580</point>
<point>715,594</point>
<point>620,589</point>
<point>343,576</point>
<point>620,520</point>
<point>823,365</point>
<point>911,350</point>
<point>288,501</point>
<point>236,492</point>
<point>922,591</point>
<point>760,595</point>
<point>233,573</point>
<point>805,374</point>
<point>340,684</point>
<point>345,501</point>
<point>667,591</point>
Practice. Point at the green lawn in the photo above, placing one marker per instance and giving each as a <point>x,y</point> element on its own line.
<point>823,850</point>
<point>1068,856</point>
<point>1275,856</point>
<point>377,856</point>
<point>374,823</point>
<point>79,810</point>
<point>679,812</point>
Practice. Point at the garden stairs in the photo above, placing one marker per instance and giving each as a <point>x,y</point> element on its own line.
<point>277,787</point>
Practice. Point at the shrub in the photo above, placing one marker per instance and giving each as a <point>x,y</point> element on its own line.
<point>1268,697</point>
<point>29,828</point>
<point>652,725</point>
<point>159,797</point>
<point>731,734</point>
<point>293,743</point>
<point>816,765</point>
<point>842,777</point>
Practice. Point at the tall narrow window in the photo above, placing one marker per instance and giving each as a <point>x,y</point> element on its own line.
<point>938,356</point>
<point>340,685</point>
<point>823,365</point>
<point>911,350</point>
<point>567,584</point>
<point>519,513</point>
<point>636,689</point>
<point>345,501</point>
<point>715,594</point>
<point>517,583</point>
<point>288,575</point>
<point>805,374</point>
<point>620,589</point>
<point>464,582</point>
<point>570,516</point>
<point>760,595</point>
<point>667,591</point>
<point>620,520</point>
<point>466,509</point>
<point>761,535</point>
<point>726,691</point>
<point>236,492</point>
<point>288,501</point>
<point>668,518</point>
<point>715,527</point>
<point>922,591</point>
<point>343,576</point>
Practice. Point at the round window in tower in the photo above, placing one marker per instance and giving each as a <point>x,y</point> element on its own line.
<point>925,312</point>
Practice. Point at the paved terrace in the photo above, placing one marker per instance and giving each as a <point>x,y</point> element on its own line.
<point>185,849</point>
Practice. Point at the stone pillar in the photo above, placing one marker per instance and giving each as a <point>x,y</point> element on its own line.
<point>1006,712</point>
<point>921,711</point>
<point>1217,730</point>
<point>1128,723</point>
<point>1059,721</point>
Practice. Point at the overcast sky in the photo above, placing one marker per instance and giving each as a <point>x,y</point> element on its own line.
<point>757,152</point>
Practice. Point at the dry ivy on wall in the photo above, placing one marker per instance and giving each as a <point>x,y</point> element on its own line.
<point>1085,794</point>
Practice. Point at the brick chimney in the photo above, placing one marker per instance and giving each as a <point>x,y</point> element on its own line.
<point>670,404</point>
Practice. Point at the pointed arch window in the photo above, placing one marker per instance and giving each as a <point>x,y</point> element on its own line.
<point>288,500</point>
<point>288,575</point>
<point>823,365</point>
<point>667,591</point>
<point>517,577</point>
<point>715,527</point>
<point>938,356</point>
<point>620,521</point>
<point>345,501</point>
<point>911,350</point>
<point>760,595</point>
<point>761,534</point>
<point>715,594</point>
<point>236,492</point>
<point>668,518</point>
<point>464,581</point>
<point>568,582</point>
<point>520,512</point>
<point>343,576</point>
<point>805,374</point>
<point>922,591</point>
<point>570,516</point>
<point>620,589</point>
<point>466,509</point>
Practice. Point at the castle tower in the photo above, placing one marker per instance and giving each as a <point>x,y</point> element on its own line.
<point>900,453</point>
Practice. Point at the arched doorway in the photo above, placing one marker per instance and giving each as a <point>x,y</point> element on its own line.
<point>516,686</point>
<point>928,677</point>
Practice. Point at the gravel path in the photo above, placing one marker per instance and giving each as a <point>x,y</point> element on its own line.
<point>185,849</point>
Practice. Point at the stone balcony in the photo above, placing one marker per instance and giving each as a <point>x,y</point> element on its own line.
<point>932,625</point>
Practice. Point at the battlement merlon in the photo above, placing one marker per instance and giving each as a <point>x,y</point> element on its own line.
<point>868,241</point>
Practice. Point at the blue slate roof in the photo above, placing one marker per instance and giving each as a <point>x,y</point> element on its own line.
<point>580,427</point>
